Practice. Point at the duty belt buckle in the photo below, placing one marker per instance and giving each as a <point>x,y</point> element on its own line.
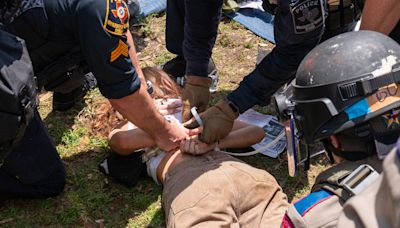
<point>360,179</point>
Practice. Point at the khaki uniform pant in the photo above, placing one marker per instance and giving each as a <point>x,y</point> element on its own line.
<point>217,190</point>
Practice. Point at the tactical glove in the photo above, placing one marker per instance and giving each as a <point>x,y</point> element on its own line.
<point>195,94</point>
<point>217,122</point>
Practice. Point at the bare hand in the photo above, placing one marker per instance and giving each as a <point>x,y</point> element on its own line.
<point>170,106</point>
<point>195,146</point>
<point>170,139</point>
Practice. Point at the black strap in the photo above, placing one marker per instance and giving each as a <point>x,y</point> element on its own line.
<point>341,9</point>
<point>27,110</point>
<point>368,84</point>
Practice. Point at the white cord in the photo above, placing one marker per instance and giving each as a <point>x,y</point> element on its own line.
<point>196,116</point>
<point>259,150</point>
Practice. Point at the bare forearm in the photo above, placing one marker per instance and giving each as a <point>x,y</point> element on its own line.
<point>243,137</point>
<point>125,142</point>
<point>380,15</point>
<point>139,109</point>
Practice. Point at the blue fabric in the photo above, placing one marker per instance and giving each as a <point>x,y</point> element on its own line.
<point>257,21</point>
<point>151,6</point>
<point>358,109</point>
<point>309,201</point>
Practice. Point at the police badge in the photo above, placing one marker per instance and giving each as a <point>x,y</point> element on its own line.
<point>117,17</point>
<point>307,15</point>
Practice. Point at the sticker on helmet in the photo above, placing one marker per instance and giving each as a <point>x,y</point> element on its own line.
<point>117,17</point>
<point>384,97</point>
<point>307,15</point>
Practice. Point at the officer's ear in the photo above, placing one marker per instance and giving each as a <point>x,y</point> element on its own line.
<point>335,143</point>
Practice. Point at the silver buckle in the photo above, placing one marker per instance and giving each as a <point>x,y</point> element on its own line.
<point>354,183</point>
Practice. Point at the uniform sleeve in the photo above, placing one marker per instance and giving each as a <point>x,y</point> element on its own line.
<point>318,209</point>
<point>101,27</point>
<point>298,28</point>
<point>200,32</point>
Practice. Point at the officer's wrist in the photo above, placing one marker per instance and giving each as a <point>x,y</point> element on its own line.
<point>233,106</point>
<point>198,68</point>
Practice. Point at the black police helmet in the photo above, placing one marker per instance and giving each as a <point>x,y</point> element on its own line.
<point>345,81</point>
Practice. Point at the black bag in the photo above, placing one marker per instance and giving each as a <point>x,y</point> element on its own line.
<point>17,91</point>
<point>64,74</point>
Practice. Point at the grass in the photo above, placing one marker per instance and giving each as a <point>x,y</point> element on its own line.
<point>92,200</point>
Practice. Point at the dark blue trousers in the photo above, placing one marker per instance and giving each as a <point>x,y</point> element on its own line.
<point>191,31</point>
<point>33,169</point>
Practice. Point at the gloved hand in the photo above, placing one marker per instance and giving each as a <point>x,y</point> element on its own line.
<point>217,122</point>
<point>195,94</point>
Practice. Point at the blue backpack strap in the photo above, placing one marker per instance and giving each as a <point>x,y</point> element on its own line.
<point>308,202</point>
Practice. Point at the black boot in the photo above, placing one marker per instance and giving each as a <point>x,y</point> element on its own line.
<point>176,67</point>
<point>64,101</point>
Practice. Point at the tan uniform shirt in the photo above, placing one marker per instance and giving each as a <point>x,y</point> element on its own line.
<point>378,205</point>
<point>323,206</point>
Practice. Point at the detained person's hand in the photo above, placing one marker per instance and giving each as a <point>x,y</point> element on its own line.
<point>174,133</point>
<point>169,106</point>
<point>195,147</point>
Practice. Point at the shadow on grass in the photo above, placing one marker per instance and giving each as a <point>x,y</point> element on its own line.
<point>59,122</point>
<point>89,200</point>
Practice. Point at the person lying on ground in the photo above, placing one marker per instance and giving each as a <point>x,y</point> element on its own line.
<point>212,189</point>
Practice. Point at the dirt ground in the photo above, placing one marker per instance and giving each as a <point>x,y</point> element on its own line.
<point>92,200</point>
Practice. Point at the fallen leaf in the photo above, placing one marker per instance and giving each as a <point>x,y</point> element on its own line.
<point>4,221</point>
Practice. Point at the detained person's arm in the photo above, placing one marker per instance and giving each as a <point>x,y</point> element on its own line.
<point>139,109</point>
<point>241,136</point>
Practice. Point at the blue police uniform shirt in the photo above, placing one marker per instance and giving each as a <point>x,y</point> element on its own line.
<point>98,29</point>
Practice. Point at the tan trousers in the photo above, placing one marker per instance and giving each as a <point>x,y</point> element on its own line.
<point>217,190</point>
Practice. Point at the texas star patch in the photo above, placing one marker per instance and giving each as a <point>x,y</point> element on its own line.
<point>391,120</point>
<point>117,17</point>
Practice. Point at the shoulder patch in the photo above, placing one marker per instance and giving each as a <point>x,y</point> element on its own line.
<point>117,17</point>
<point>308,202</point>
<point>307,15</point>
<point>121,49</point>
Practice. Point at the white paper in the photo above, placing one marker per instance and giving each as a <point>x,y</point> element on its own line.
<point>272,129</point>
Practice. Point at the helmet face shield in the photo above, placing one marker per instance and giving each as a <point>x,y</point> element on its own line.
<point>311,114</point>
